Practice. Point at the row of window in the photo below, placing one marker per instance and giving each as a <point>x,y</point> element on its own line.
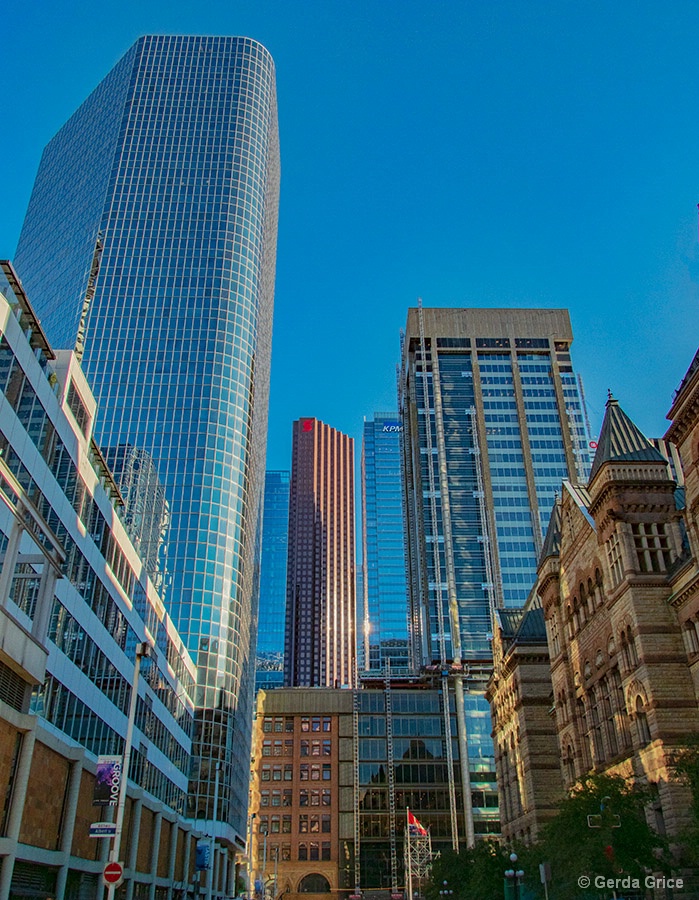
<point>306,797</point>
<point>286,748</point>
<point>307,772</point>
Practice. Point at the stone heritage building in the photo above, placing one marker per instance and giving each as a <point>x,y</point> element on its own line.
<point>618,588</point>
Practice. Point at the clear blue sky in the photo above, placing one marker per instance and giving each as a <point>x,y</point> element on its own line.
<point>475,153</point>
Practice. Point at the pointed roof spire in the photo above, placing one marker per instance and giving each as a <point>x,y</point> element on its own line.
<point>552,541</point>
<point>620,440</point>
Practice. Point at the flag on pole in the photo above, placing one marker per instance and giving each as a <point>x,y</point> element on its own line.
<point>414,827</point>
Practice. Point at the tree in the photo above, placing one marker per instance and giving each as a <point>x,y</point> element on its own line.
<point>475,874</point>
<point>601,829</point>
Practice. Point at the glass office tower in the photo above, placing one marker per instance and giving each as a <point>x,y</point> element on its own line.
<point>149,246</point>
<point>321,604</point>
<point>493,423</point>
<point>385,598</point>
<point>275,543</point>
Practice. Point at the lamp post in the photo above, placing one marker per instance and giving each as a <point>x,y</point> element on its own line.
<point>212,842</point>
<point>276,869</point>
<point>143,650</point>
<point>261,872</point>
<point>445,891</point>
<point>515,875</point>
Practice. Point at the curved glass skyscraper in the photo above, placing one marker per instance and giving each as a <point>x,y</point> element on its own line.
<point>149,245</point>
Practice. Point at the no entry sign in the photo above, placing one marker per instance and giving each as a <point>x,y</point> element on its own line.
<point>113,873</point>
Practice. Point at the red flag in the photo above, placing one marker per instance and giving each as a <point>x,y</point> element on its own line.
<point>414,827</point>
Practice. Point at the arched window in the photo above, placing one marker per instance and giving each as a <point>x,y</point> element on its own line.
<point>314,884</point>
<point>569,764</point>
<point>642,722</point>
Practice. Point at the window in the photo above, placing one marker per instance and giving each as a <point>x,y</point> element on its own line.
<point>264,798</point>
<point>303,798</point>
<point>286,798</point>
<point>325,850</point>
<point>303,824</point>
<point>616,568</point>
<point>304,748</point>
<point>286,824</point>
<point>326,798</point>
<point>326,771</point>
<point>642,722</point>
<point>304,772</point>
<point>652,546</point>
<point>303,852</point>
<point>266,748</point>
<point>305,723</point>
<point>266,773</point>
<point>325,821</point>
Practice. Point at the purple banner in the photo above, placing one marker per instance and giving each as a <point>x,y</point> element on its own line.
<point>107,781</point>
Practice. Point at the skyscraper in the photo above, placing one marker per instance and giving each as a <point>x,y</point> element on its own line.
<point>385,637</point>
<point>149,246</point>
<point>275,545</point>
<point>493,423</point>
<point>319,647</point>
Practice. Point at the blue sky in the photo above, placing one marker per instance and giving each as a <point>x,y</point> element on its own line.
<point>481,153</point>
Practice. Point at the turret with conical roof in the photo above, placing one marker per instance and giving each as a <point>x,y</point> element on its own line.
<point>630,483</point>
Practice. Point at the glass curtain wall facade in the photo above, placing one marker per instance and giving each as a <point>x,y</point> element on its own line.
<point>417,771</point>
<point>492,424</point>
<point>275,544</point>
<point>152,252</point>
<point>385,635</point>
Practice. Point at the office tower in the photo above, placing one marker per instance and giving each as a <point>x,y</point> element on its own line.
<point>319,645</point>
<point>76,608</point>
<point>385,600</point>
<point>493,424</point>
<point>149,246</point>
<point>275,545</point>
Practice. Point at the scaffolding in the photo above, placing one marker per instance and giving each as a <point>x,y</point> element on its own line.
<point>417,852</point>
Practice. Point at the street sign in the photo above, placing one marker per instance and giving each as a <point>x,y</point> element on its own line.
<point>113,874</point>
<point>103,829</point>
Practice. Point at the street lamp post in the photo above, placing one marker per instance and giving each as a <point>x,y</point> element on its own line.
<point>212,842</point>
<point>276,869</point>
<point>143,650</point>
<point>445,891</point>
<point>515,875</point>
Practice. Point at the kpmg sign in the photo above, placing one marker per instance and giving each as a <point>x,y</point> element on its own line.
<point>392,427</point>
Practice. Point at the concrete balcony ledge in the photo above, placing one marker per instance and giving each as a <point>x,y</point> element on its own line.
<point>20,650</point>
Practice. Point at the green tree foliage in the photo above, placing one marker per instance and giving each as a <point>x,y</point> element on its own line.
<point>475,874</point>
<point>600,829</point>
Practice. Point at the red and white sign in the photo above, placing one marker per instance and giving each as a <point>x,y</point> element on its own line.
<point>113,874</point>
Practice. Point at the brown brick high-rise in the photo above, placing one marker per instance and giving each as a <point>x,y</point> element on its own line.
<point>320,590</point>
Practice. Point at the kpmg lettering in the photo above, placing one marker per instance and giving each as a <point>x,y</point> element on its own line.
<point>392,427</point>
